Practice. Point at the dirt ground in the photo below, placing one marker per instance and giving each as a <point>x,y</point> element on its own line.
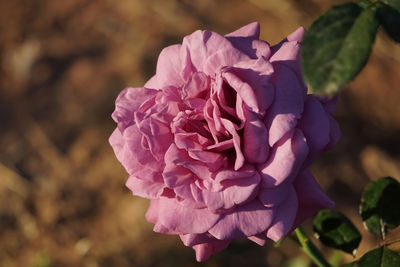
<point>62,63</point>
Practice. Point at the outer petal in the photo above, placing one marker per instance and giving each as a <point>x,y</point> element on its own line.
<point>128,102</point>
<point>205,250</point>
<point>288,105</point>
<point>274,196</point>
<point>206,47</point>
<point>182,219</point>
<point>169,68</point>
<point>285,161</point>
<point>129,151</point>
<point>335,133</point>
<point>311,197</point>
<point>144,188</point>
<point>284,218</point>
<point>247,220</point>
<point>315,125</point>
<point>235,192</point>
<point>251,30</point>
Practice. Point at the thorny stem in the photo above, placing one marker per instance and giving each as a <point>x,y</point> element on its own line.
<point>310,249</point>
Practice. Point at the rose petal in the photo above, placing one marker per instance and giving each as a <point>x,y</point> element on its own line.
<point>255,143</point>
<point>284,217</point>
<point>285,161</point>
<point>144,188</point>
<point>195,239</point>
<point>246,220</point>
<point>239,161</point>
<point>315,125</point>
<point>334,134</point>
<point>235,192</point>
<point>273,196</point>
<point>201,45</point>
<point>204,251</point>
<point>169,68</point>
<point>311,197</point>
<point>129,151</point>
<point>129,101</point>
<point>182,219</point>
<point>251,30</point>
<point>288,104</point>
<point>259,239</point>
<point>198,84</point>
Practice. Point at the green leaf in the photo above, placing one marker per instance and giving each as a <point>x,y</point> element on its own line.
<point>335,230</point>
<point>380,205</point>
<point>390,20</point>
<point>337,46</point>
<point>379,257</point>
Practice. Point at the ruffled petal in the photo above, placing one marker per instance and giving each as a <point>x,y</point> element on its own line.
<point>285,161</point>
<point>205,250</point>
<point>311,197</point>
<point>316,127</point>
<point>273,196</point>
<point>143,188</point>
<point>129,151</point>
<point>255,139</point>
<point>169,68</point>
<point>251,30</point>
<point>246,220</point>
<point>234,192</point>
<point>182,219</point>
<point>288,104</point>
<point>284,217</point>
<point>335,133</point>
<point>128,102</point>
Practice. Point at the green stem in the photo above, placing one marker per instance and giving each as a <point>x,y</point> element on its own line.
<point>310,249</point>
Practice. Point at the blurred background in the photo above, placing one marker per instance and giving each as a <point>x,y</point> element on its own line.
<point>62,63</point>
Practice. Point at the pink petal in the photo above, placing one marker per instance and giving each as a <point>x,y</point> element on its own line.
<point>239,161</point>
<point>255,139</point>
<point>246,220</point>
<point>128,150</point>
<point>169,68</point>
<point>183,220</point>
<point>177,157</point>
<point>288,105</point>
<point>334,134</point>
<point>144,188</point>
<point>284,217</point>
<point>257,74</point>
<point>285,161</point>
<point>243,89</point>
<point>129,101</point>
<point>201,45</point>
<point>158,135</point>
<point>297,35</point>
<point>287,51</point>
<point>251,30</point>
<point>235,192</point>
<point>315,125</point>
<point>152,211</point>
<point>198,83</point>
<point>195,239</point>
<point>223,58</point>
<point>259,239</point>
<point>273,196</point>
<point>205,250</point>
<point>311,197</point>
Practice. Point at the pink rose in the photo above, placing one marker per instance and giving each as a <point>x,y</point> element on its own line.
<point>221,137</point>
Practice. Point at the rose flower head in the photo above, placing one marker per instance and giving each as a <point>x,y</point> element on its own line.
<point>220,139</point>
